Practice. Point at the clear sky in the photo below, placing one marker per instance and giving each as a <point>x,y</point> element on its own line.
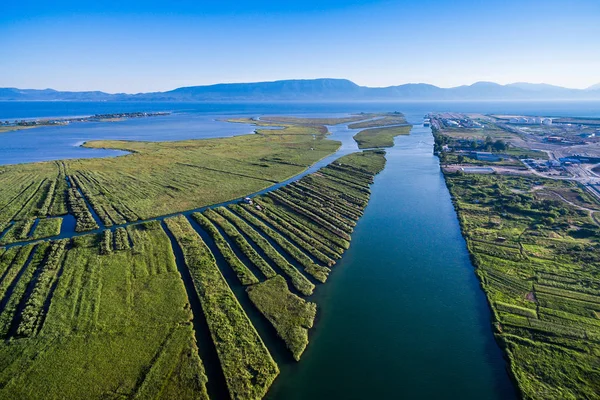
<point>140,46</point>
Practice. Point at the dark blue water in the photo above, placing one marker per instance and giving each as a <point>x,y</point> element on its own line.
<point>402,315</point>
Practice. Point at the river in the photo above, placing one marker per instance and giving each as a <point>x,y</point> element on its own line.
<point>402,315</point>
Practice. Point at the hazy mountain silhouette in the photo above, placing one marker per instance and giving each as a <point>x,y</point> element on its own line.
<point>319,90</point>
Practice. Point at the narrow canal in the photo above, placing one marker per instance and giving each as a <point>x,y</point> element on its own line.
<point>402,315</point>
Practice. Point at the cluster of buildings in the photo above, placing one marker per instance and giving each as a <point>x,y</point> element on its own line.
<point>545,165</point>
<point>530,121</point>
<point>462,123</point>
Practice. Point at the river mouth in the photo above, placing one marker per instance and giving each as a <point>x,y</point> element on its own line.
<point>403,315</point>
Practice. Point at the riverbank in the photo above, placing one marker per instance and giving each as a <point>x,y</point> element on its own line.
<point>535,257</point>
<point>402,300</point>
<point>8,126</point>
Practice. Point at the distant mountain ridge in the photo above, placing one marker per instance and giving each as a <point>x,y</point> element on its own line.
<point>319,90</point>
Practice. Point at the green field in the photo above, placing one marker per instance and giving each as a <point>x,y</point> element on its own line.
<point>110,314</point>
<point>157,178</point>
<point>380,137</point>
<point>381,120</point>
<point>123,313</point>
<point>538,259</point>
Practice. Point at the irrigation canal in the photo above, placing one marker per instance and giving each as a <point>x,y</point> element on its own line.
<point>402,315</point>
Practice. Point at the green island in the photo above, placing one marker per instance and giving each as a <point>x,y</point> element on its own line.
<point>380,137</point>
<point>166,286</point>
<point>534,238</point>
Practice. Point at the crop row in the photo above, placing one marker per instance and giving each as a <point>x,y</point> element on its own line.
<point>310,215</point>
<point>12,262</point>
<point>106,242</point>
<point>332,209</point>
<point>107,213</point>
<point>47,200</point>
<point>318,271</point>
<point>567,293</point>
<point>348,175</point>
<point>330,198</point>
<point>299,281</point>
<point>323,245</point>
<point>358,173</point>
<point>357,197</point>
<point>84,219</point>
<point>567,318</point>
<point>18,231</point>
<point>346,179</point>
<point>307,243</point>
<point>324,185</point>
<point>241,242</point>
<point>22,270</point>
<point>121,239</point>
<point>308,226</point>
<point>30,206</point>
<point>333,218</point>
<point>513,309</point>
<point>15,205</point>
<point>32,315</point>
<point>59,200</point>
<point>246,363</point>
<point>575,287</point>
<point>245,276</point>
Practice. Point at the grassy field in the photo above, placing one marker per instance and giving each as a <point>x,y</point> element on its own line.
<point>380,137</point>
<point>124,313</point>
<point>109,314</point>
<point>382,120</point>
<point>291,315</point>
<point>157,178</point>
<point>4,129</point>
<point>248,367</point>
<point>538,259</point>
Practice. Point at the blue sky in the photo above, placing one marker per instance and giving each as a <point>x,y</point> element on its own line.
<point>138,46</point>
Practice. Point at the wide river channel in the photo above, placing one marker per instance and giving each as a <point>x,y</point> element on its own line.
<point>402,315</point>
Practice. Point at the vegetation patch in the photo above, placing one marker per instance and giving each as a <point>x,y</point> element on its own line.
<point>241,243</point>
<point>380,137</point>
<point>290,315</point>
<point>47,227</point>
<point>248,367</point>
<point>299,281</point>
<point>318,271</point>
<point>541,282</point>
<point>245,276</point>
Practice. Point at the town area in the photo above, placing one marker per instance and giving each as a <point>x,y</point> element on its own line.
<point>549,147</point>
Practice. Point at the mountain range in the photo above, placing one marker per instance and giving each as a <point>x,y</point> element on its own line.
<point>319,90</point>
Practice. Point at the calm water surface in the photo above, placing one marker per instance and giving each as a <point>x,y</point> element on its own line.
<point>403,315</point>
<point>203,120</point>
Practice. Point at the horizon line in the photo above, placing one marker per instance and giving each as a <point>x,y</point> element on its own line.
<point>309,79</point>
